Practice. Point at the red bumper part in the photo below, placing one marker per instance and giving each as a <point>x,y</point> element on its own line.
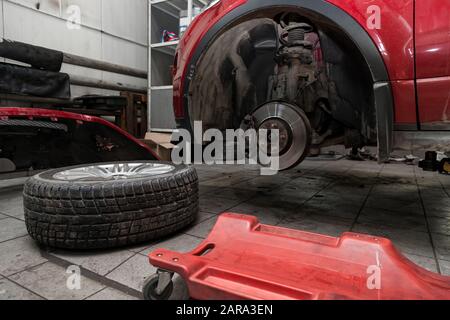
<point>243,259</point>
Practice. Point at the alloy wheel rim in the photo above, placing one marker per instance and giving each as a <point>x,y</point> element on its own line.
<point>116,171</point>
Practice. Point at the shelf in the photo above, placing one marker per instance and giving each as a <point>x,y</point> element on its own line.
<point>174,7</point>
<point>179,3</point>
<point>166,50</point>
<point>156,88</point>
<point>166,47</point>
<point>165,44</point>
<point>165,15</point>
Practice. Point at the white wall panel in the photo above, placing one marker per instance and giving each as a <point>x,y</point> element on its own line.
<point>111,30</point>
<point>116,50</point>
<point>126,19</point>
<point>50,32</point>
<point>52,7</point>
<point>1,18</point>
<point>91,11</point>
<point>1,26</point>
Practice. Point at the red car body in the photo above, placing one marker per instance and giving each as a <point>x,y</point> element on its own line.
<point>409,54</point>
<point>40,139</point>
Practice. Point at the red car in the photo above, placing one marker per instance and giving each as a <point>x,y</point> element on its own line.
<point>39,139</point>
<point>353,72</point>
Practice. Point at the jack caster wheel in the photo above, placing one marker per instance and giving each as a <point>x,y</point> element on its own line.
<point>155,289</point>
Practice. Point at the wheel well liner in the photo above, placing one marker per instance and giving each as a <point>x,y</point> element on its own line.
<point>382,89</point>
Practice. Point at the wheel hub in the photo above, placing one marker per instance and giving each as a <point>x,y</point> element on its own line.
<point>294,130</point>
<point>285,133</point>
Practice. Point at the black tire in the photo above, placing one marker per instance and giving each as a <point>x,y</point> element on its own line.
<point>108,214</point>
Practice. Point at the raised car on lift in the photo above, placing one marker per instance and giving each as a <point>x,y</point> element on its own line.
<point>324,72</point>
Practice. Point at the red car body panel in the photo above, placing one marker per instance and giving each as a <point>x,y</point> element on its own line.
<point>404,93</point>
<point>33,114</point>
<point>395,41</point>
<point>433,38</point>
<point>243,259</point>
<point>433,63</point>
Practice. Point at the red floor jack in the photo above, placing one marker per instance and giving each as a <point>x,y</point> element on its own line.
<point>243,259</point>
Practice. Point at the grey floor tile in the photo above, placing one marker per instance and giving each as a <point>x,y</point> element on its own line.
<point>432,195</point>
<point>408,242</point>
<point>208,175</point>
<point>317,196</point>
<point>11,291</point>
<point>100,263</point>
<point>311,182</point>
<point>440,225</point>
<point>292,174</point>
<point>16,183</point>
<point>400,220</point>
<point>227,180</point>
<point>424,262</point>
<point>326,212</point>
<point>333,206</point>
<point>399,192</point>
<point>428,180</point>
<point>442,246</point>
<point>50,281</point>
<point>133,272</point>
<point>263,183</point>
<point>270,210</point>
<point>182,243</point>
<point>203,229</point>
<point>11,228</point>
<point>234,193</point>
<point>291,192</point>
<point>350,194</point>
<point>19,254</point>
<point>216,205</point>
<point>203,190</point>
<point>12,205</point>
<point>230,169</point>
<point>110,294</point>
<point>279,205</point>
<point>367,176</point>
<point>444,179</point>
<point>437,207</point>
<point>413,206</point>
<point>439,213</point>
<point>201,217</point>
<point>445,267</point>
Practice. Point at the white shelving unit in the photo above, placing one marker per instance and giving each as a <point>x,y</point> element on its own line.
<point>164,15</point>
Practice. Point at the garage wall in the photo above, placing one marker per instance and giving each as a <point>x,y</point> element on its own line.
<point>111,30</point>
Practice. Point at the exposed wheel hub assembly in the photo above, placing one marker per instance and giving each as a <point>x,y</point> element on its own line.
<point>293,127</point>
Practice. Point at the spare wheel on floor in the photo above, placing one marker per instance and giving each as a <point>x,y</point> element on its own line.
<point>111,204</point>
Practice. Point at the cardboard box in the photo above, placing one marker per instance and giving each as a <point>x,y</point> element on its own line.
<point>161,144</point>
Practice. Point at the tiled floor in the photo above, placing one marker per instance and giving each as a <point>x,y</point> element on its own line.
<point>397,201</point>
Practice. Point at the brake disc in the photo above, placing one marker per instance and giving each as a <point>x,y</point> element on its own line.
<point>295,131</point>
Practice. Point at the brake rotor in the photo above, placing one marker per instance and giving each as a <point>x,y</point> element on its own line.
<point>295,131</point>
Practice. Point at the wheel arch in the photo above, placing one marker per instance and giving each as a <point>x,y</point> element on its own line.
<point>382,92</point>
